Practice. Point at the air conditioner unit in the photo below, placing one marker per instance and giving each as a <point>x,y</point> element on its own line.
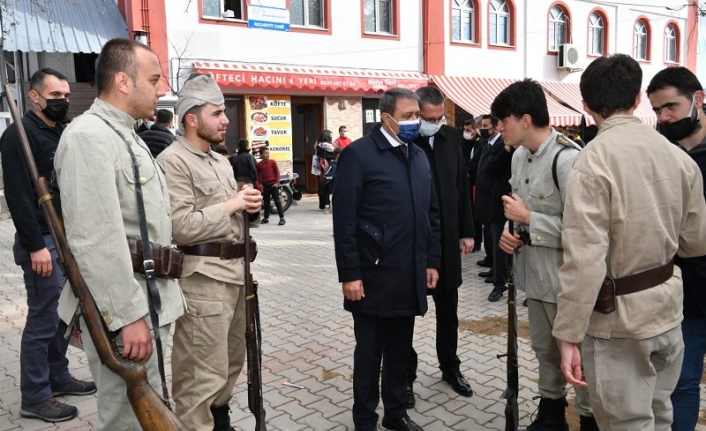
<point>568,57</point>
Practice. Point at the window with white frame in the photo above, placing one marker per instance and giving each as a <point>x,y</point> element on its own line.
<point>558,28</point>
<point>233,9</point>
<point>596,35</point>
<point>499,23</point>
<point>463,20</point>
<point>378,16</point>
<point>308,13</point>
<point>670,44</point>
<point>641,41</point>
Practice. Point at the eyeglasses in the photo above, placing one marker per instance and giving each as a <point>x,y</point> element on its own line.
<point>441,119</point>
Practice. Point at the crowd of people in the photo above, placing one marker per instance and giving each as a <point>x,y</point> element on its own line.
<point>610,255</point>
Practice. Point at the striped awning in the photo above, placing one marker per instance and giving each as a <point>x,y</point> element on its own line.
<point>61,25</point>
<point>570,94</point>
<point>475,95</point>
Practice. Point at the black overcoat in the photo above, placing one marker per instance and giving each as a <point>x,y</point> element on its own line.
<point>386,226</point>
<point>499,169</point>
<point>451,181</point>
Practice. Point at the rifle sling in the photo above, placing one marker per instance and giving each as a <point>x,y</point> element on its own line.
<point>153,299</point>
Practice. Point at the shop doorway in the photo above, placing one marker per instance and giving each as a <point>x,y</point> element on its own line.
<point>233,113</point>
<point>371,114</point>
<point>307,125</point>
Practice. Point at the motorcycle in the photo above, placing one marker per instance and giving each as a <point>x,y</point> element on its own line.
<point>287,192</point>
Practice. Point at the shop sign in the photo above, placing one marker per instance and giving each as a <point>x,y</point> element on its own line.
<point>269,118</point>
<point>268,18</point>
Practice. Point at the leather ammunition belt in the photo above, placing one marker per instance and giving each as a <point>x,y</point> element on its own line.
<point>222,250</point>
<point>168,261</point>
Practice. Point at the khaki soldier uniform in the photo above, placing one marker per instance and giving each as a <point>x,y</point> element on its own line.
<point>99,208</point>
<point>209,340</point>
<point>537,265</point>
<point>633,201</point>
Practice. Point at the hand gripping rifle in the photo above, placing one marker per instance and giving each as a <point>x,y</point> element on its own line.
<point>151,411</point>
<point>253,336</point>
<point>512,413</point>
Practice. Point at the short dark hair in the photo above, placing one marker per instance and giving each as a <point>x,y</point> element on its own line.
<point>37,81</point>
<point>164,117</point>
<point>493,119</point>
<point>326,136</point>
<point>242,144</point>
<point>341,128</point>
<point>431,95</point>
<point>388,101</point>
<point>221,149</point>
<point>520,98</point>
<point>680,78</point>
<point>611,84</point>
<point>470,122</point>
<point>337,151</point>
<point>117,55</point>
<point>194,110</point>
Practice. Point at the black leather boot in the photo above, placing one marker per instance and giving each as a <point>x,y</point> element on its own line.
<point>588,423</point>
<point>221,418</point>
<point>551,416</point>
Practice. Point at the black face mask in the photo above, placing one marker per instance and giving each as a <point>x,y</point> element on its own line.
<point>681,129</point>
<point>484,133</point>
<point>56,109</point>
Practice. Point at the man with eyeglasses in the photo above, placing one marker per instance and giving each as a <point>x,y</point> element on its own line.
<point>442,145</point>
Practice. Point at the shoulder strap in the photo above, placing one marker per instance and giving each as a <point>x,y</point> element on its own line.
<point>555,177</point>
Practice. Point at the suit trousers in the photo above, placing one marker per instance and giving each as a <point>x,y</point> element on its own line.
<point>630,381</point>
<point>446,304</point>
<point>114,410</point>
<point>552,383</point>
<point>209,349</point>
<point>387,340</point>
<point>43,361</point>
<point>488,244</point>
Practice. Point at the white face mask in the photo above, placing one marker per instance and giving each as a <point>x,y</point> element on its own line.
<point>149,124</point>
<point>468,135</point>
<point>429,129</point>
<point>345,134</point>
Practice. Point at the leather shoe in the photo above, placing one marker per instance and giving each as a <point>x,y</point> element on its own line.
<point>411,402</point>
<point>496,294</point>
<point>484,274</point>
<point>458,383</point>
<point>485,263</point>
<point>489,280</point>
<point>401,424</point>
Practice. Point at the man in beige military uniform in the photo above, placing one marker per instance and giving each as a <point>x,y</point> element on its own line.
<point>633,201</point>
<point>95,173</point>
<point>540,167</point>
<point>207,219</point>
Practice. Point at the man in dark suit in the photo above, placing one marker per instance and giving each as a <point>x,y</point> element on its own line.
<point>387,239</point>
<point>488,133</point>
<point>472,150</point>
<point>442,145</point>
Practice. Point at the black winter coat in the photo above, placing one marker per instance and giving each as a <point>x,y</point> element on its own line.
<point>499,168</point>
<point>451,181</point>
<point>694,268</point>
<point>385,225</point>
<point>157,138</point>
<point>484,185</point>
<point>244,167</point>
<point>472,163</point>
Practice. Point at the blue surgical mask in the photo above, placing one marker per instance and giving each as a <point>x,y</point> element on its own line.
<point>409,130</point>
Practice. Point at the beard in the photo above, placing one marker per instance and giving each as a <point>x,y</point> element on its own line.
<point>210,134</point>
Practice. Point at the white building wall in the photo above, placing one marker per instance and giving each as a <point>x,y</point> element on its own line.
<point>344,47</point>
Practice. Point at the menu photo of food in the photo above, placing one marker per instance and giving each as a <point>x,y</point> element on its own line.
<point>259,117</point>
<point>258,102</point>
<point>260,132</point>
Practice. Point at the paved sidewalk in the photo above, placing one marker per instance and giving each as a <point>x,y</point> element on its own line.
<point>308,340</point>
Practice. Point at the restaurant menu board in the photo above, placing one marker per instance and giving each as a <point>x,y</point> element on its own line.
<point>269,122</point>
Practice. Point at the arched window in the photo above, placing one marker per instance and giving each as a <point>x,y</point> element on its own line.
<point>596,35</point>
<point>671,43</point>
<point>558,27</point>
<point>463,19</point>
<point>499,23</point>
<point>642,41</point>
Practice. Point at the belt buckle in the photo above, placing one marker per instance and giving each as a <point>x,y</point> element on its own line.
<point>223,251</point>
<point>148,265</point>
<point>612,280</point>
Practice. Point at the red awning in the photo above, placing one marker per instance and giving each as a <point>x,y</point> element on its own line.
<point>271,78</point>
<point>475,95</point>
<point>570,94</point>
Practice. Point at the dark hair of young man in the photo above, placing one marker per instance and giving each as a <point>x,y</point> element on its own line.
<point>37,81</point>
<point>493,119</point>
<point>164,117</point>
<point>470,122</point>
<point>242,145</point>
<point>521,98</point>
<point>680,78</point>
<point>340,129</point>
<point>430,95</point>
<point>611,84</point>
<point>388,102</point>
<point>118,55</point>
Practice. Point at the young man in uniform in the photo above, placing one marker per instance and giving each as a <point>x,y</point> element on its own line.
<point>541,163</point>
<point>207,218</point>
<point>633,201</point>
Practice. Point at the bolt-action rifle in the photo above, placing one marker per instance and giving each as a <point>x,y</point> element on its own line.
<point>151,411</point>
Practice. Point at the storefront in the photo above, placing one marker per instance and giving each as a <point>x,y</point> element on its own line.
<point>289,107</point>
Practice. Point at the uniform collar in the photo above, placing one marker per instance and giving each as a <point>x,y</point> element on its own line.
<point>111,113</point>
<point>550,138</point>
<point>192,149</point>
<point>618,120</point>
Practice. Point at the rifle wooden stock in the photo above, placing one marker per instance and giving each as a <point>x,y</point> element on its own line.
<point>252,338</point>
<point>512,413</point>
<point>149,408</point>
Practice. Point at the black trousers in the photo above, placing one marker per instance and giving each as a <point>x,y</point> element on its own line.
<point>501,260</point>
<point>386,340</point>
<point>272,192</point>
<point>446,334</point>
<point>488,243</point>
<point>324,194</point>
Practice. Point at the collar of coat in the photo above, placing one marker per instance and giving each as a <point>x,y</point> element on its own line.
<point>382,142</point>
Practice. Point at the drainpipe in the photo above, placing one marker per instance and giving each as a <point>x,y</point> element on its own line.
<point>524,38</point>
